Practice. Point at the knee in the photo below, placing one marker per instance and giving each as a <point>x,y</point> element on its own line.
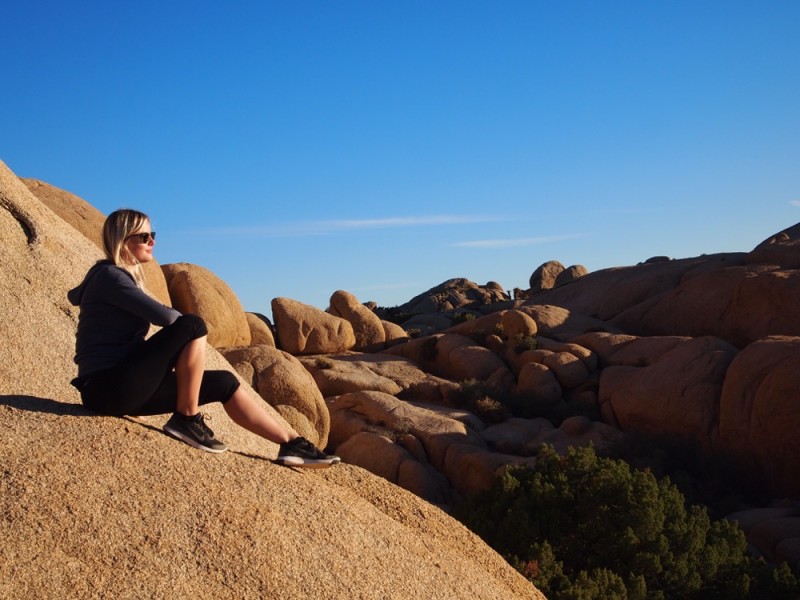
<point>230,384</point>
<point>194,324</point>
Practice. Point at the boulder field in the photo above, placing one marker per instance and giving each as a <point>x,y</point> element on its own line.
<point>95,506</point>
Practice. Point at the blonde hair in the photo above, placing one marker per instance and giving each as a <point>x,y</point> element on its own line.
<point>117,227</point>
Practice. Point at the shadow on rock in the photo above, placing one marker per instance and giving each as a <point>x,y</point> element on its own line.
<point>45,405</point>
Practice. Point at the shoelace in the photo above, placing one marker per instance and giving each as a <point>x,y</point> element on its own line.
<point>311,448</point>
<point>201,419</point>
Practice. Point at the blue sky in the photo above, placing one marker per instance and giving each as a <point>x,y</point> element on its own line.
<point>297,148</point>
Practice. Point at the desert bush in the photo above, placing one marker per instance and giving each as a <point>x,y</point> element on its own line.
<point>478,398</point>
<point>489,410</point>
<point>584,527</point>
<point>462,317</point>
<point>394,314</point>
<point>523,343</point>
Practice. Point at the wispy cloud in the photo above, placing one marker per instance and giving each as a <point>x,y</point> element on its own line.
<point>795,202</point>
<point>510,243</point>
<point>302,228</point>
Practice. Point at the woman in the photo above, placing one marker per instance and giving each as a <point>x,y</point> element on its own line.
<point>122,373</point>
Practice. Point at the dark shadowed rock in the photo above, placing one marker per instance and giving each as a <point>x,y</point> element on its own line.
<point>452,294</point>
<point>782,249</point>
<point>760,412</point>
<point>570,274</point>
<point>677,395</point>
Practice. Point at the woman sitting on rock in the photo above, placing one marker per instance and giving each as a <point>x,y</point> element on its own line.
<point>122,373</point>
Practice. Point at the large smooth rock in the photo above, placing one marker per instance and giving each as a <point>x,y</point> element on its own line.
<point>195,289</point>
<point>555,321</point>
<point>606,293</point>
<point>570,274</point>
<point>739,304</point>
<point>678,395</point>
<point>518,324</point>
<point>760,412</point>
<point>538,387</point>
<point>545,275</point>
<point>368,410</point>
<point>453,356</point>
<point>393,333</point>
<point>304,329</point>
<point>260,330</point>
<point>284,383</point>
<point>781,249</point>
<point>369,332</point>
<point>628,350</point>
<point>336,377</point>
<point>384,457</point>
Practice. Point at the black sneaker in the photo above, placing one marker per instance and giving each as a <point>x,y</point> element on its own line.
<point>301,453</point>
<point>194,431</point>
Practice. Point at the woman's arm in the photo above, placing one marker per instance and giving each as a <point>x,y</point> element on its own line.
<point>118,288</point>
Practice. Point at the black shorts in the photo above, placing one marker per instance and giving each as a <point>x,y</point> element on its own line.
<point>144,383</point>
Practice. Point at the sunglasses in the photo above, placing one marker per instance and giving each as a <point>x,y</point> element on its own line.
<point>143,238</point>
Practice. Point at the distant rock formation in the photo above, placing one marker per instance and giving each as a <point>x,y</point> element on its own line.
<point>453,294</point>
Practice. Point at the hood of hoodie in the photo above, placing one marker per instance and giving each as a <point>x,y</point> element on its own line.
<point>76,294</point>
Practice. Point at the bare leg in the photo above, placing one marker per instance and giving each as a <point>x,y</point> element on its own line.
<point>250,413</point>
<point>189,374</point>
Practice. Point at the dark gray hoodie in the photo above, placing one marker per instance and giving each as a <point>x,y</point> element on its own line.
<point>115,317</point>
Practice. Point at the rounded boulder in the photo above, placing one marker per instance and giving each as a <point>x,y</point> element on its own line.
<point>304,329</point>
<point>196,290</point>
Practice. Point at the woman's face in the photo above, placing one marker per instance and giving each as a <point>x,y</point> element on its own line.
<point>141,246</point>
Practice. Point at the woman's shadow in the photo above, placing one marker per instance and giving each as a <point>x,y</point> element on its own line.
<point>45,405</point>
<point>54,407</point>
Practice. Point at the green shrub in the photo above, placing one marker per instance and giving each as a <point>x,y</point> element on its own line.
<point>523,343</point>
<point>394,314</point>
<point>584,527</point>
<point>489,410</point>
<point>478,398</point>
<point>463,317</point>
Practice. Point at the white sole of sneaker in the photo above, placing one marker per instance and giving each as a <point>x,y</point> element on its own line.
<point>189,441</point>
<point>292,461</point>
